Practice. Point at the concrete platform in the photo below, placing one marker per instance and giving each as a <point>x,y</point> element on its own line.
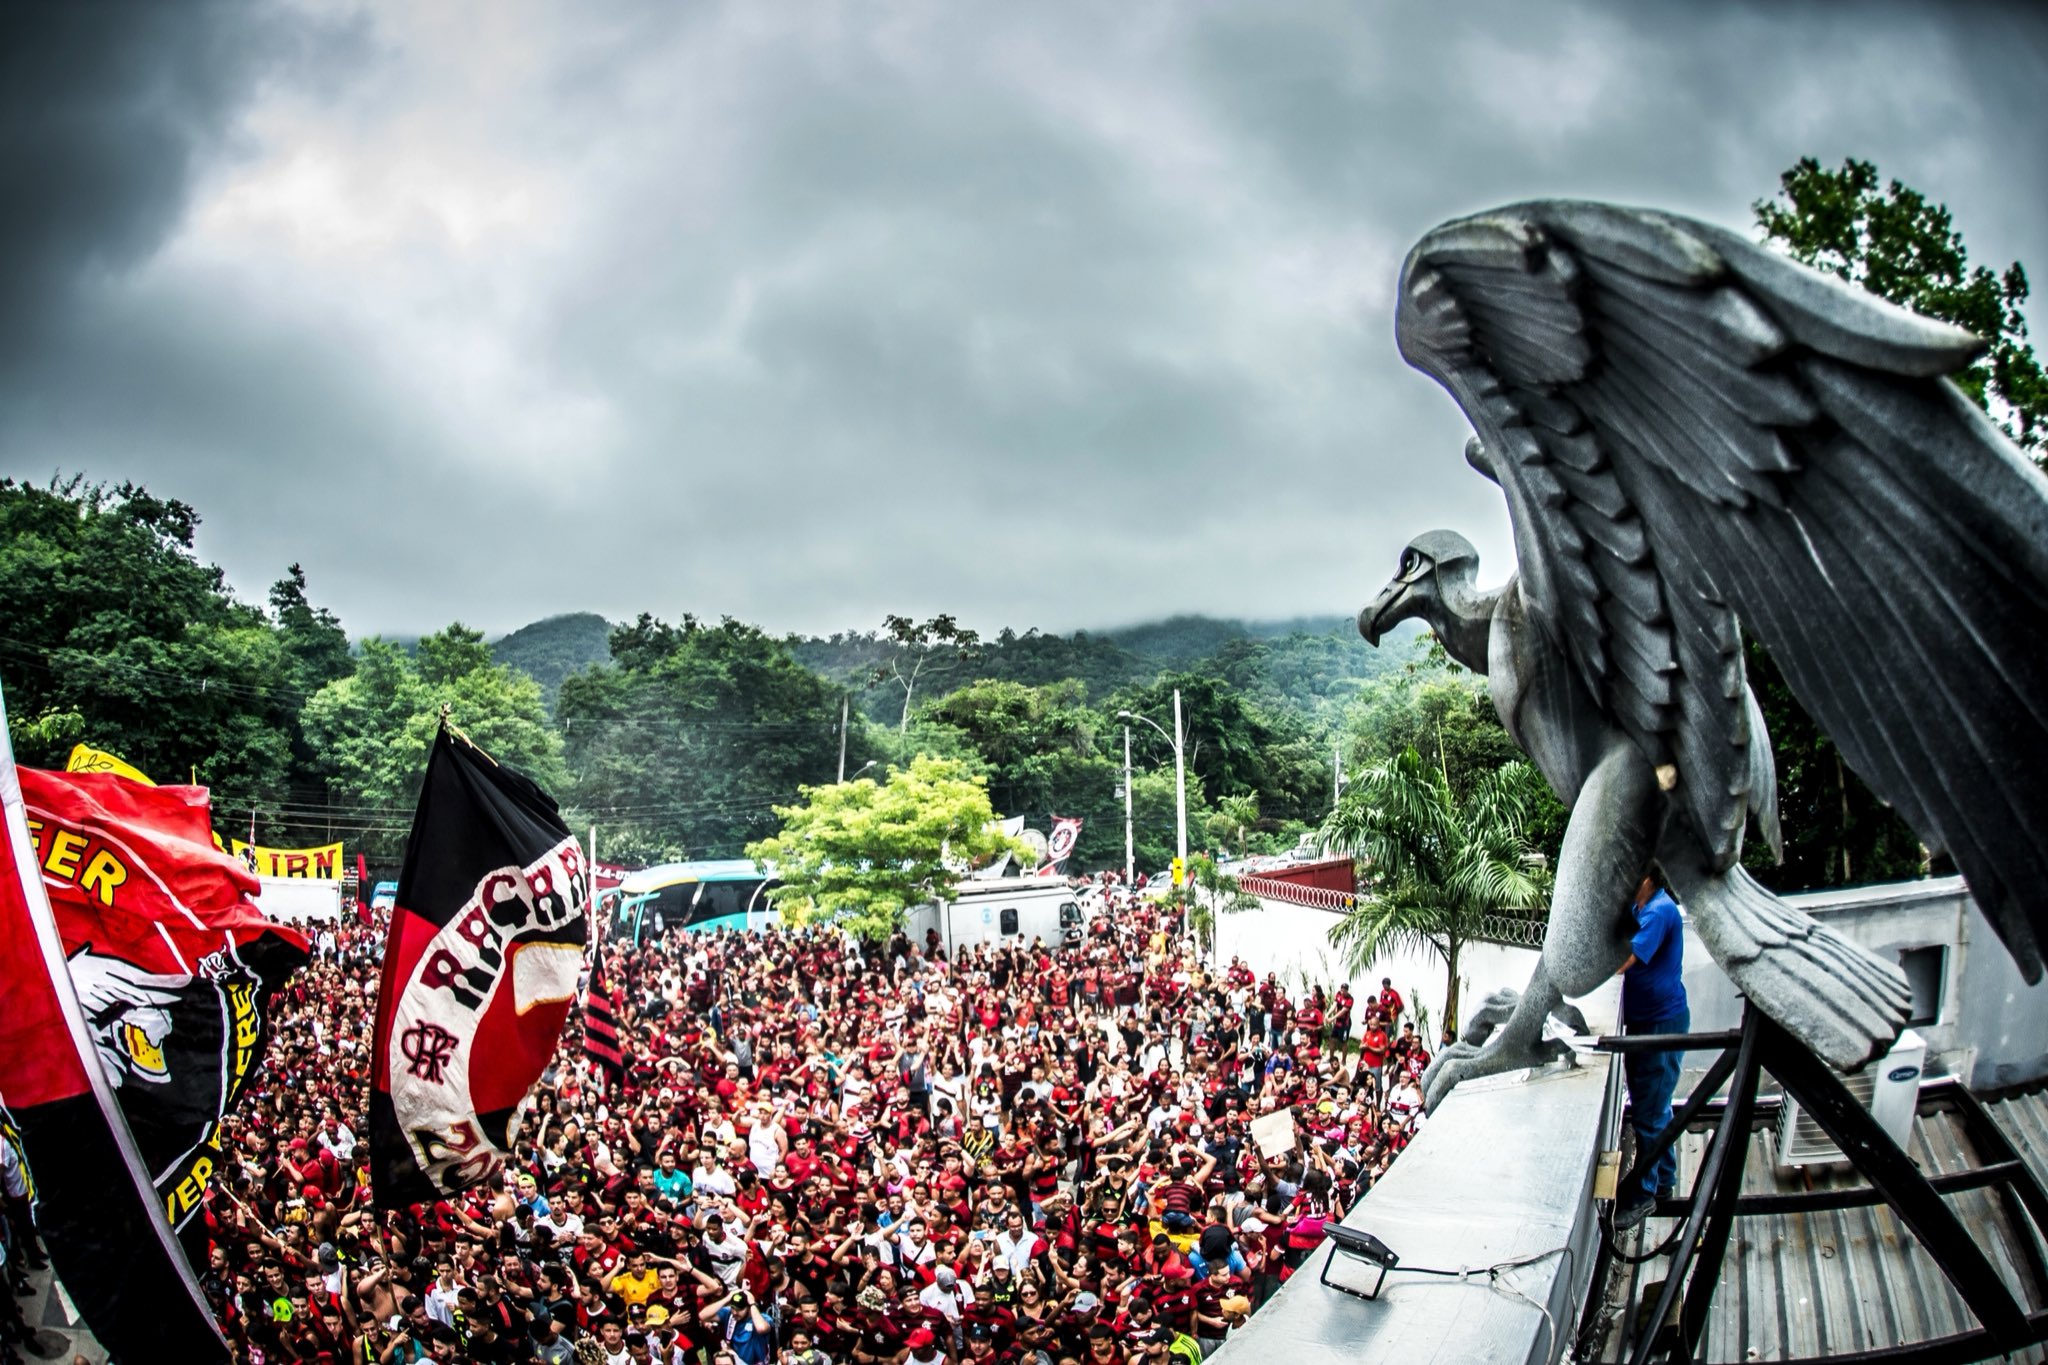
<point>1503,1170</point>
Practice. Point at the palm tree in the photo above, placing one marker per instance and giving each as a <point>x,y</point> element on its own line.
<point>1237,816</point>
<point>1440,864</point>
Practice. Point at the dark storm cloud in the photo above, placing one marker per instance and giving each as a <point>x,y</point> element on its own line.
<point>104,111</point>
<point>1042,315</point>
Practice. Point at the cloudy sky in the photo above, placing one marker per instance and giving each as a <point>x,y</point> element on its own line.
<point>1041,314</point>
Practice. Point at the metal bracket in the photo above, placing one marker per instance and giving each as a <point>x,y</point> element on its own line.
<point>1716,1199</point>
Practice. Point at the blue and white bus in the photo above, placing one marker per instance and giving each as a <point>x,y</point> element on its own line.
<point>723,893</point>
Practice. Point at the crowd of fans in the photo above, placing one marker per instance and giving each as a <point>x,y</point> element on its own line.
<point>1027,1154</point>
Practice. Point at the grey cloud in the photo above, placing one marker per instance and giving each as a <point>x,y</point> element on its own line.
<point>105,110</point>
<point>1046,315</point>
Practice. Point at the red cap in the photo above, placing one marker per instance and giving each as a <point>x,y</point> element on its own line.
<point>920,1339</point>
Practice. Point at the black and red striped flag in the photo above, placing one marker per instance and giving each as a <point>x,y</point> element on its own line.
<point>601,1026</point>
<point>480,967</point>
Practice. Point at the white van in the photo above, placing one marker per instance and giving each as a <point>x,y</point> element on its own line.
<point>1006,910</point>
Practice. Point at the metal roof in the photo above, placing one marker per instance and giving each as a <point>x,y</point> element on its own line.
<point>1800,1286</point>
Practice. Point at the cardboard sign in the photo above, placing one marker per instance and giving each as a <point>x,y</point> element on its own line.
<point>1274,1133</point>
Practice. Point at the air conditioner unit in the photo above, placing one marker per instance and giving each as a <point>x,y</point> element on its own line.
<point>1889,1088</point>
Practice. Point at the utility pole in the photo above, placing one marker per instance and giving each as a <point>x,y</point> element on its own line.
<point>842,737</point>
<point>1336,767</point>
<point>1180,779</point>
<point>1130,845</point>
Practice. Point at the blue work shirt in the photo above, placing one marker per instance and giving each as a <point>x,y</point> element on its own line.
<point>1654,988</point>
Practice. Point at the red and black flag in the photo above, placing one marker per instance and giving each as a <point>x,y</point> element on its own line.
<point>601,1025</point>
<point>172,962</point>
<point>94,1199</point>
<point>1066,832</point>
<point>480,968</point>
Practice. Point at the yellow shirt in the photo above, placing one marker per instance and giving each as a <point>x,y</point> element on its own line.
<point>636,1288</point>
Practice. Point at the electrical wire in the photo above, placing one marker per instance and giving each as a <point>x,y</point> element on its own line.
<point>1495,1281</point>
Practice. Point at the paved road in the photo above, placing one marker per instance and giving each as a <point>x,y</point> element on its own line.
<point>59,1336</point>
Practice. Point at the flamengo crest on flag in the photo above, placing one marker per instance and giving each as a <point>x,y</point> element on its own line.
<point>95,1205</point>
<point>480,968</point>
<point>1066,832</point>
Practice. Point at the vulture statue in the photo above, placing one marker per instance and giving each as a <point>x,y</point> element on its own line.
<point>1699,438</point>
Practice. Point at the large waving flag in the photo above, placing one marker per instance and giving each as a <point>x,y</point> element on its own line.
<point>173,963</point>
<point>480,970</point>
<point>95,1201</point>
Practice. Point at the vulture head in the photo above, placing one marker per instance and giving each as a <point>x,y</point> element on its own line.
<point>1434,582</point>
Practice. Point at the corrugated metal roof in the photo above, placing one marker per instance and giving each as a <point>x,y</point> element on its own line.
<point>2024,1118</point>
<point>1804,1285</point>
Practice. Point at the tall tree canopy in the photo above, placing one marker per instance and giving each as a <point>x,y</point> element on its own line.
<point>683,745</point>
<point>1904,247</point>
<point>370,732</point>
<point>112,632</point>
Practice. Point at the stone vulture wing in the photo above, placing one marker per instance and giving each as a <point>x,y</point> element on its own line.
<point>1692,432</point>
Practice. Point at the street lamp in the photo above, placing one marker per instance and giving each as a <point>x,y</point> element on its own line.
<point>1180,777</point>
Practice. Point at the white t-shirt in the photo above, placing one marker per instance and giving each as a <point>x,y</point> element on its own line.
<point>947,1302</point>
<point>762,1149</point>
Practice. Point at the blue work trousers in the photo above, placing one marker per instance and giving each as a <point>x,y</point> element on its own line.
<point>1652,1077</point>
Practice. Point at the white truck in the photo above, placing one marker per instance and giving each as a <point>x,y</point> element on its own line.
<point>1002,910</point>
<point>299,900</point>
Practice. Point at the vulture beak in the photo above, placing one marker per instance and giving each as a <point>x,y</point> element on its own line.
<point>1384,611</point>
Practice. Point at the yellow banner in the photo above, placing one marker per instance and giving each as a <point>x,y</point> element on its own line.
<point>322,863</point>
<point>85,759</point>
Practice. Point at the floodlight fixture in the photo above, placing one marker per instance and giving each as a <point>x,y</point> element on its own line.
<point>1359,1245</point>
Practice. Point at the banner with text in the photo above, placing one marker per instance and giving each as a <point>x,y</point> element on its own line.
<point>172,961</point>
<point>91,1193</point>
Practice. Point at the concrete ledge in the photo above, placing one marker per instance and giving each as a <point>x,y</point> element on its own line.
<point>1503,1170</point>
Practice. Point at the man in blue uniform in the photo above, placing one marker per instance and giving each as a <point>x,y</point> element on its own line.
<point>1652,1001</point>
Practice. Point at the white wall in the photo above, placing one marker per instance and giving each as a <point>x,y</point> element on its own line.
<point>1290,939</point>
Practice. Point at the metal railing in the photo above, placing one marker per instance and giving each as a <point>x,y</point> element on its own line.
<point>1516,929</point>
<point>1314,897</point>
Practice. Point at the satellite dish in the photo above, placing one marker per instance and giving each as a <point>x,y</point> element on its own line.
<point>1035,841</point>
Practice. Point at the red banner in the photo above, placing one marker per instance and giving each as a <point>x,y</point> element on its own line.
<point>172,961</point>
<point>94,1200</point>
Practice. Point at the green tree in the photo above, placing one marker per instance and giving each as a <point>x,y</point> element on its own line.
<point>1042,755</point>
<point>370,732</point>
<point>452,653</point>
<point>312,636</point>
<point>1212,891</point>
<point>114,633</point>
<point>1235,819</point>
<point>939,644</point>
<point>1901,246</point>
<point>1438,863</point>
<point>1233,745</point>
<point>857,853</point>
<point>686,741</point>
